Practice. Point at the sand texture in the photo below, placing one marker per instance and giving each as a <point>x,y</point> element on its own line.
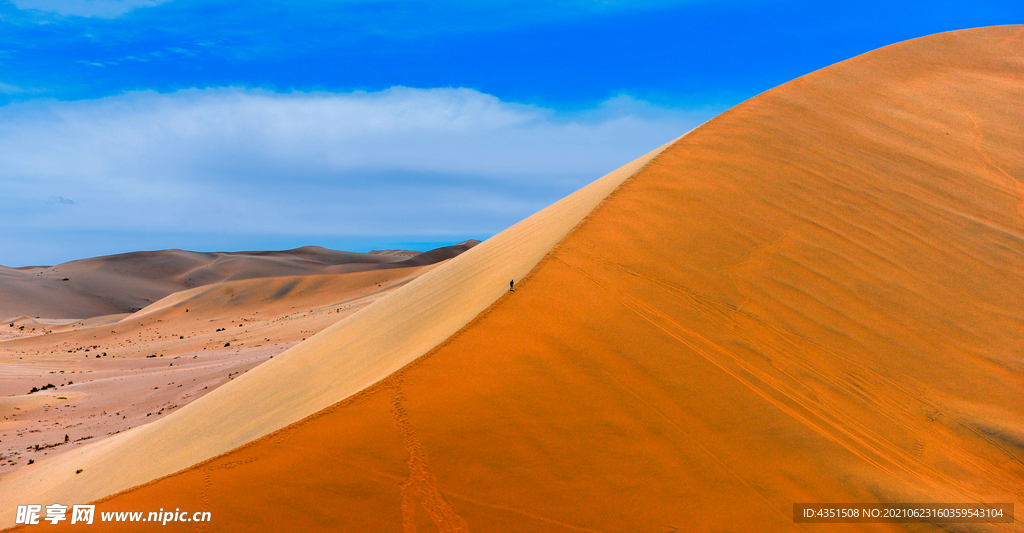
<point>814,297</point>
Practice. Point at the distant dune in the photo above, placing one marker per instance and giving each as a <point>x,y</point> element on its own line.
<point>125,283</point>
<point>814,297</point>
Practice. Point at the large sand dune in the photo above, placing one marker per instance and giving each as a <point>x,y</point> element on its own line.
<point>815,297</point>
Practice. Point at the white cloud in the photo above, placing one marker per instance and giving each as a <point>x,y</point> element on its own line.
<point>430,163</point>
<point>6,88</point>
<point>86,8</point>
<point>518,10</point>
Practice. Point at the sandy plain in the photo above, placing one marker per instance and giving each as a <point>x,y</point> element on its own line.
<point>814,297</point>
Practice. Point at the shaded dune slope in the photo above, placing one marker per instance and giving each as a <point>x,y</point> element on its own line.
<point>815,297</point>
<point>128,282</point>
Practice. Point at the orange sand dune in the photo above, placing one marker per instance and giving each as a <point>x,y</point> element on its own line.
<point>128,282</point>
<point>815,297</point>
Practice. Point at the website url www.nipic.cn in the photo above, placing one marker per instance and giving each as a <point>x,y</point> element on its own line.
<point>86,514</point>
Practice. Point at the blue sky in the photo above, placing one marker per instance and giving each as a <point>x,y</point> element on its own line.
<point>226,125</point>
